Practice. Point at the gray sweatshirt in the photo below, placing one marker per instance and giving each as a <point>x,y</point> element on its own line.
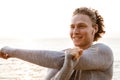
<point>96,62</point>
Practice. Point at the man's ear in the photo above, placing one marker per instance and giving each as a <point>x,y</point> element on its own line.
<point>96,28</point>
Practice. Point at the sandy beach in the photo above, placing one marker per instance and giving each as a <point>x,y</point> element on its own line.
<point>15,69</point>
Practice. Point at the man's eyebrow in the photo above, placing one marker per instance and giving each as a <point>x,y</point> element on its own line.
<point>71,24</point>
<point>80,23</point>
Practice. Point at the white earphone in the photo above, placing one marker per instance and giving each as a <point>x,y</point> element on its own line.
<point>93,32</point>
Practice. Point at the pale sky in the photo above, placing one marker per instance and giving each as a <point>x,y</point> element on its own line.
<point>50,18</point>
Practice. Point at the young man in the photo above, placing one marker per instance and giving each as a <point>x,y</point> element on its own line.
<point>96,61</point>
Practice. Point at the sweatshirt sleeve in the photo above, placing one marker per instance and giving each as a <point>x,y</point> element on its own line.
<point>97,57</point>
<point>45,58</point>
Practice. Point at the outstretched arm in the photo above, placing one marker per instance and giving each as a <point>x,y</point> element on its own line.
<point>98,57</point>
<point>46,58</point>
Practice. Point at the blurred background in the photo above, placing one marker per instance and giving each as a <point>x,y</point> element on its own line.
<point>44,24</point>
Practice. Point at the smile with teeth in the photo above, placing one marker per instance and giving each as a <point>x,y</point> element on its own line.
<point>77,38</point>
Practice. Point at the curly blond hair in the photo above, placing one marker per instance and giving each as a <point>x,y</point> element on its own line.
<point>95,18</point>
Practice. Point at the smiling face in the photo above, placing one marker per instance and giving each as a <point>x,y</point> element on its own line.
<point>82,32</point>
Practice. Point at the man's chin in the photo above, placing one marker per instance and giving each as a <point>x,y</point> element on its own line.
<point>77,45</point>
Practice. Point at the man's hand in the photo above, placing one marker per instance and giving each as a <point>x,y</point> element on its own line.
<point>76,52</point>
<point>4,56</point>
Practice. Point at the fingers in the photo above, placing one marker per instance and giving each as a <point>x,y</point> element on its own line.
<point>75,52</point>
<point>4,56</point>
<point>1,55</point>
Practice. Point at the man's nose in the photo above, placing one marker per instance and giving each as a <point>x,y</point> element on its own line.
<point>76,30</point>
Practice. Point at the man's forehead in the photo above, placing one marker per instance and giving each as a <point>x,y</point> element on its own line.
<point>80,18</point>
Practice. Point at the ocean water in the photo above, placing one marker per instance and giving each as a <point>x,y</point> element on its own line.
<point>16,69</point>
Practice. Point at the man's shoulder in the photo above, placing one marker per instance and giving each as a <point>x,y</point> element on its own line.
<point>103,47</point>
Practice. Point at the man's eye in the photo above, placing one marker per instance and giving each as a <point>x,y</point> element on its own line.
<point>81,26</point>
<point>72,26</point>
